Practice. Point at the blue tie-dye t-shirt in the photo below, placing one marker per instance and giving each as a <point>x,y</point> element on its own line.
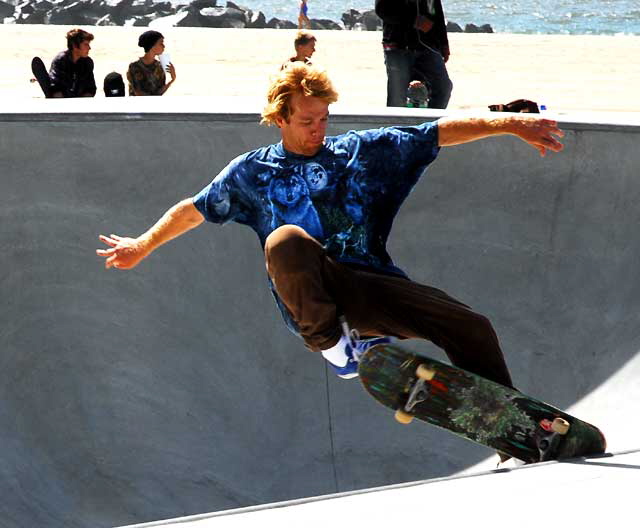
<point>346,196</point>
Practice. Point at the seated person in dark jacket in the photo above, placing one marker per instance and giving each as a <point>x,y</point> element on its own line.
<point>71,71</point>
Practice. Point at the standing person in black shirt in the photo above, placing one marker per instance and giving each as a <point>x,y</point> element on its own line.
<point>416,47</point>
<point>71,70</point>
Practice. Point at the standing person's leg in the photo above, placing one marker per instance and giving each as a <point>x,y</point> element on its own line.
<point>431,65</point>
<point>399,65</point>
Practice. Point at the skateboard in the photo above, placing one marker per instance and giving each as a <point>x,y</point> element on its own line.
<point>42,75</point>
<point>475,408</point>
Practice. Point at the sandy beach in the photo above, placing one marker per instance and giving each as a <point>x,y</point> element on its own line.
<point>567,73</point>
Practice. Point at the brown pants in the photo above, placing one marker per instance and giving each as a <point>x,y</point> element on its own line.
<point>317,290</point>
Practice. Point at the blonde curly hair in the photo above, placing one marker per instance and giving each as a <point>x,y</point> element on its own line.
<point>296,77</point>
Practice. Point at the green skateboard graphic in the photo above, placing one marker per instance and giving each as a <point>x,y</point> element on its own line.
<point>475,408</point>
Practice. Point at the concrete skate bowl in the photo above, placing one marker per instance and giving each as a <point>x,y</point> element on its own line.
<point>174,389</point>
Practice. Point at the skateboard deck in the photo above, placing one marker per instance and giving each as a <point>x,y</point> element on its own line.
<point>475,408</point>
<point>42,75</point>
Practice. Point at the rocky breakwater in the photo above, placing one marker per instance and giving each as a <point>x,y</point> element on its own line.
<point>196,13</point>
<point>369,21</point>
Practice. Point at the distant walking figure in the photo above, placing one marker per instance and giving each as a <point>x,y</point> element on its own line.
<point>303,19</point>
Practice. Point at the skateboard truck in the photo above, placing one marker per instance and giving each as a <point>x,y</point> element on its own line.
<point>548,443</point>
<point>420,391</point>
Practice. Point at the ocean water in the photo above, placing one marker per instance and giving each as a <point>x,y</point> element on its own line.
<point>586,17</point>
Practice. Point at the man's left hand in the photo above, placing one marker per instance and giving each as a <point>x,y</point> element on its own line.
<point>541,134</point>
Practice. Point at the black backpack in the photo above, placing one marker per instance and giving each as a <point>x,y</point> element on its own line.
<point>113,85</point>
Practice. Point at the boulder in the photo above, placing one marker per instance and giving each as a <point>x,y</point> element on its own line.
<point>142,21</point>
<point>276,23</point>
<point>29,15</point>
<point>77,13</point>
<point>138,7</point>
<point>107,20</point>
<point>257,20</point>
<point>223,17</point>
<point>163,23</point>
<point>163,9</point>
<point>190,18</point>
<point>120,12</point>
<point>26,8</point>
<point>239,8</point>
<point>368,20</point>
<point>351,18</point>
<point>472,28</point>
<point>201,4</point>
<point>317,23</point>
<point>6,10</point>
<point>371,21</point>
<point>452,27</point>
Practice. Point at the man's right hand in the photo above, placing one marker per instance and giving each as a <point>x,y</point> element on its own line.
<point>124,253</point>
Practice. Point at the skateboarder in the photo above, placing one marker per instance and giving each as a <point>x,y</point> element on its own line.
<point>323,207</point>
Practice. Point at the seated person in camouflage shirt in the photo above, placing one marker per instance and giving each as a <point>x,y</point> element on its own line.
<point>71,70</point>
<point>146,76</point>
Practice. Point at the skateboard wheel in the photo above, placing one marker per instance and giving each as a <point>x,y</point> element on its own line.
<point>425,373</point>
<point>403,417</point>
<point>560,426</point>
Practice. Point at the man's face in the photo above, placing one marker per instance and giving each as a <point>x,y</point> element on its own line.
<point>306,50</point>
<point>304,132</point>
<point>83,49</point>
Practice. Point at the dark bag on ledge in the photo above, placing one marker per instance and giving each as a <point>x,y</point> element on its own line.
<point>519,105</point>
<point>114,85</point>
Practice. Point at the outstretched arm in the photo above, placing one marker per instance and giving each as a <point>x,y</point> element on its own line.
<point>539,133</point>
<point>126,253</point>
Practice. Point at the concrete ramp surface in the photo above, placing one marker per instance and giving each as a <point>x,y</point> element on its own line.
<point>175,389</point>
<point>575,493</point>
